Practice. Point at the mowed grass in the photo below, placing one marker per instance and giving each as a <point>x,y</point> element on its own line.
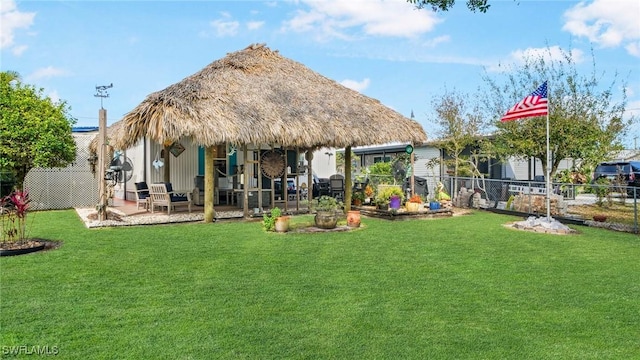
<point>457,288</point>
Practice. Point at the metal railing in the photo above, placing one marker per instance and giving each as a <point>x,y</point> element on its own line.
<point>530,196</point>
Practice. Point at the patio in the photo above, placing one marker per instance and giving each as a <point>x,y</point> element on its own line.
<point>126,213</point>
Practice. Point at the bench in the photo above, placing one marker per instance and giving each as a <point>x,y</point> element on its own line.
<point>162,194</point>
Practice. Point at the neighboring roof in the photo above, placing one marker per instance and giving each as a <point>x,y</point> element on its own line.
<point>84,129</point>
<point>257,96</point>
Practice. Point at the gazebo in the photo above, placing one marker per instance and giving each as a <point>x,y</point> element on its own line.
<point>257,96</point>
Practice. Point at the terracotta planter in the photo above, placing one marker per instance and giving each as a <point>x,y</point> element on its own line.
<point>413,207</point>
<point>353,218</point>
<point>282,224</point>
<point>326,219</point>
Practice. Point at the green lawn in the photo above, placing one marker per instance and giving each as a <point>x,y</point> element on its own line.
<point>456,288</point>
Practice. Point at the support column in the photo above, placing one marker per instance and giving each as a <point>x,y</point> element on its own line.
<point>102,154</point>
<point>209,155</point>
<point>347,178</point>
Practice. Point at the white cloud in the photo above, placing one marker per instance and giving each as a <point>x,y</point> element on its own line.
<point>18,50</point>
<point>607,23</point>
<point>45,73</point>
<point>633,48</point>
<point>550,54</point>
<point>355,85</point>
<point>225,26</point>
<point>255,25</point>
<point>335,18</point>
<point>432,43</point>
<point>54,96</point>
<point>12,19</point>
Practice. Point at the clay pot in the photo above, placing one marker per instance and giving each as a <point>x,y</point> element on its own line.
<point>353,218</point>
<point>413,207</point>
<point>326,219</point>
<point>282,224</point>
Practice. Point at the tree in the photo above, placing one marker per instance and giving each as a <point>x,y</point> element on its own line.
<point>445,5</point>
<point>459,122</point>
<point>34,131</point>
<point>585,123</point>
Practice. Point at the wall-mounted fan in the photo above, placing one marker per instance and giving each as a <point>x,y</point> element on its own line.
<point>121,168</point>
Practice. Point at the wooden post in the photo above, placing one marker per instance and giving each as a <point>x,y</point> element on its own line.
<point>347,178</point>
<point>209,169</point>
<point>309,156</point>
<point>413,171</point>
<point>245,186</point>
<point>102,153</point>
<point>167,165</point>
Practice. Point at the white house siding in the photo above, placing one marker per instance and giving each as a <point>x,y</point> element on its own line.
<point>424,154</point>
<point>323,164</point>
<point>517,169</point>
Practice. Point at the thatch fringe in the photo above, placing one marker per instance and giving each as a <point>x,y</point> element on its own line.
<point>257,96</point>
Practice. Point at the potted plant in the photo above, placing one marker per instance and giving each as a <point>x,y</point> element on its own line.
<point>326,207</point>
<point>414,203</point>
<point>358,198</point>
<point>275,221</point>
<point>434,204</point>
<point>389,195</point>
<point>368,193</point>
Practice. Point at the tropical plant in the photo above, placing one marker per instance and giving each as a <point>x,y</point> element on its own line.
<point>326,203</point>
<point>13,212</point>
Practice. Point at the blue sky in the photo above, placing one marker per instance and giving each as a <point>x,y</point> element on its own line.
<point>384,49</point>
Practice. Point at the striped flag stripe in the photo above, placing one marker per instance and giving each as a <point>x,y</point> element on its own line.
<point>535,104</point>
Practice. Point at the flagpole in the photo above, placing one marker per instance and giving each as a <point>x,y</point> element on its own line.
<point>548,174</point>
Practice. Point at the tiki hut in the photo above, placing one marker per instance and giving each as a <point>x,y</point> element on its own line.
<point>257,96</point>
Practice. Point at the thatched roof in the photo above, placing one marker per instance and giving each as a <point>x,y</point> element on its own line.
<point>257,96</point>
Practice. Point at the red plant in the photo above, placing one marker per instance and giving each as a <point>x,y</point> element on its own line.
<point>14,209</point>
<point>20,200</point>
<point>415,199</point>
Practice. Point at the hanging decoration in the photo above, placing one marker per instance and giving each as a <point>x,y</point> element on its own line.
<point>157,163</point>
<point>272,164</point>
<point>176,149</point>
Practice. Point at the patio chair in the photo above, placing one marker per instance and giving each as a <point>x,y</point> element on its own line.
<point>336,184</point>
<point>142,195</point>
<point>162,194</point>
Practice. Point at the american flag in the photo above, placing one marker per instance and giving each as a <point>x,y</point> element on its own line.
<point>533,105</point>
